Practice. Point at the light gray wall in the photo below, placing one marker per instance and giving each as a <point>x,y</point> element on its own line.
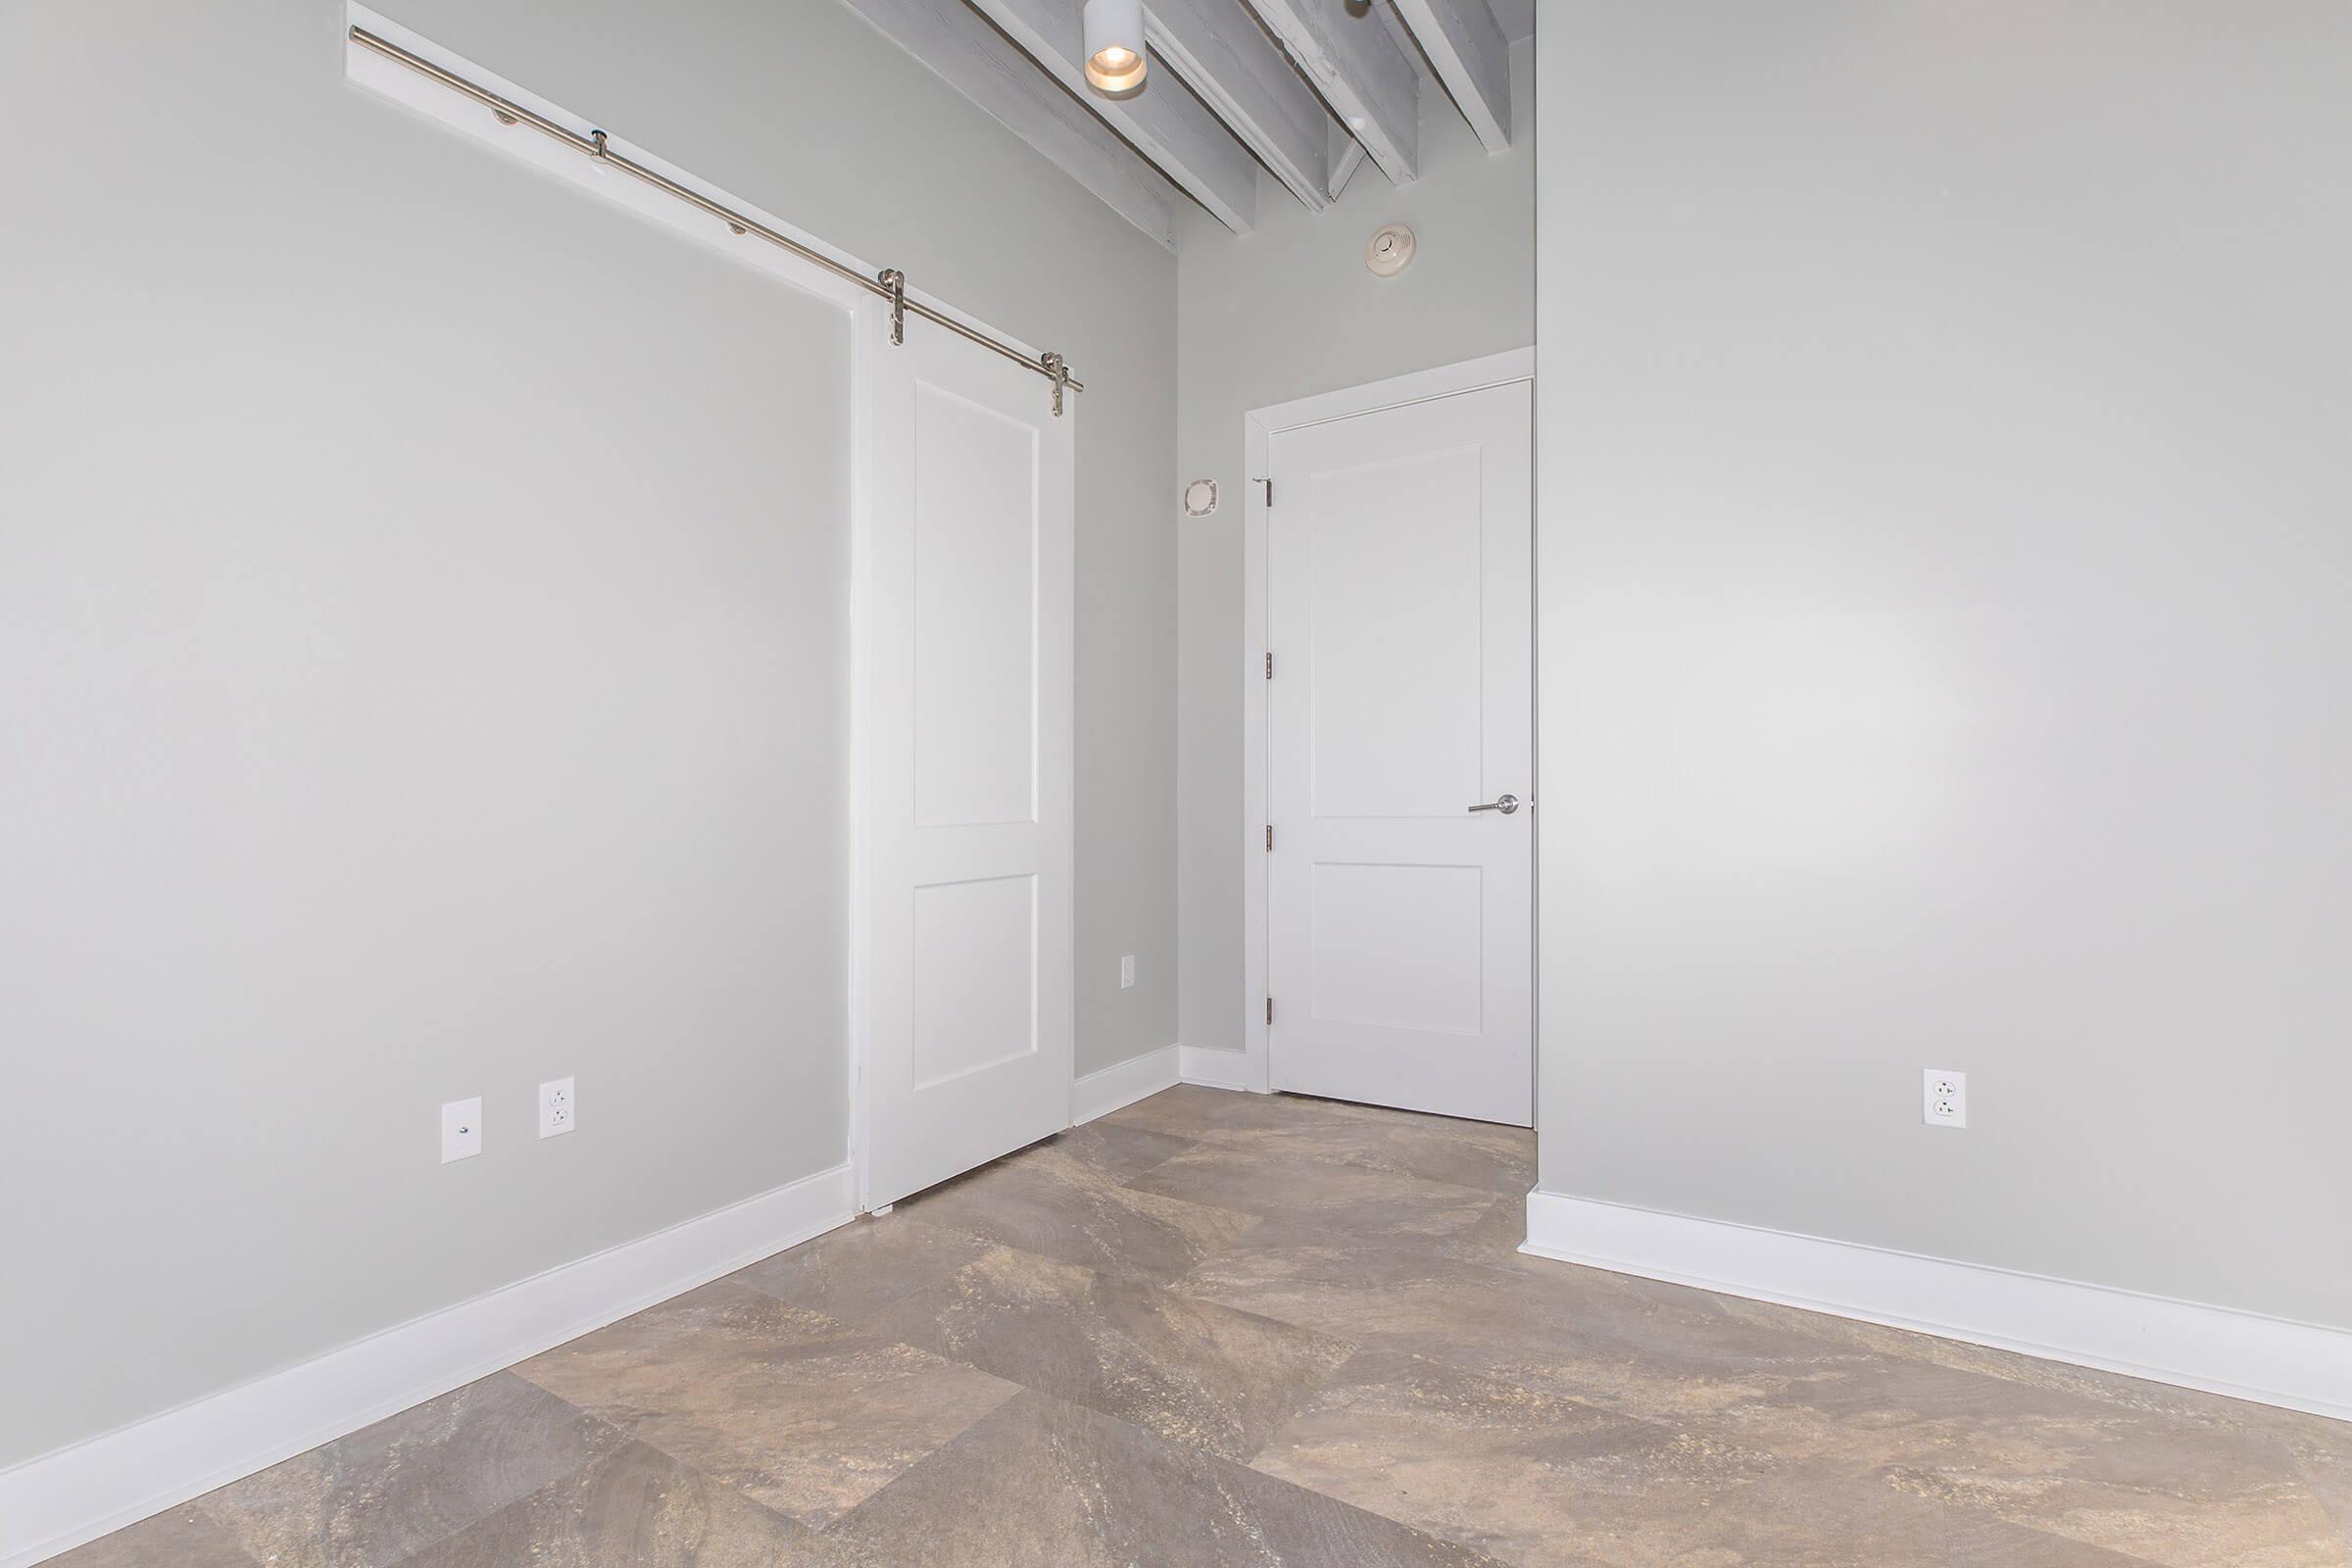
<point>1285,312</point>
<point>1944,570</point>
<point>422,657</point>
<point>805,109</point>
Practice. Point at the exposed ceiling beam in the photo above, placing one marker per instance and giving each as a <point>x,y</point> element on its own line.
<point>979,61</point>
<point>1360,72</point>
<point>1220,49</point>
<point>1467,50</point>
<point>1163,121</point>
<point>1345,157</point>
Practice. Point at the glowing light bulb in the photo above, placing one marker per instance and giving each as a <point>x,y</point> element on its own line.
<point>1114,46</point>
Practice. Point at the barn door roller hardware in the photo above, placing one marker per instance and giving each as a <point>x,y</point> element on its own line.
<point>890,285</point>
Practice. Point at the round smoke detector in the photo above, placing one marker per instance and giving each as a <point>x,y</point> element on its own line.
<point>1200,497</point>
<point>1389,251</point>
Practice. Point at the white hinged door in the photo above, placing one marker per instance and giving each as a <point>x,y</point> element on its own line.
<point>1400,611</point>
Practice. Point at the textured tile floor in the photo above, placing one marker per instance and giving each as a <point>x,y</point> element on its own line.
<point>1227,1329</point>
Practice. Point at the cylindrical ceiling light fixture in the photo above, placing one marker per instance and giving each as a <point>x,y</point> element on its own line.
<point>1114,44</point>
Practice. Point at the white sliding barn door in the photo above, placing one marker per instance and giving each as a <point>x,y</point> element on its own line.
<point>966,977</point>
<point>1400,613</point>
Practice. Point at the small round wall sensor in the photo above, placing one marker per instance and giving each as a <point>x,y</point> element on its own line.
<point>1200,497</point>
<point>1389,249</point>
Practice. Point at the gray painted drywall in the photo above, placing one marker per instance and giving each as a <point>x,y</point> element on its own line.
<point>780,103</point>
<point>1285,312</point>
<point>423,638</point>
<point>1944,563</point>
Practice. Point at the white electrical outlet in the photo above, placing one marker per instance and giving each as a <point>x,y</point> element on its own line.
<point>1127,971</point>
<point>461,1130</point>
<point>557,1113</point>
<point>1943,1098</point>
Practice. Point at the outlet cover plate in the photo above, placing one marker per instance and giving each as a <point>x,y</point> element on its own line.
<point>461,1129</point>
<point>558,1108</point>
<point>1127,971</point>
<point>1943,1097</point>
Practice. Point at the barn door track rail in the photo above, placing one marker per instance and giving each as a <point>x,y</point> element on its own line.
<point>890,283</point>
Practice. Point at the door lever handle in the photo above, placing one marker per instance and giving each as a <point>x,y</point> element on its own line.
<point>1506,803</point>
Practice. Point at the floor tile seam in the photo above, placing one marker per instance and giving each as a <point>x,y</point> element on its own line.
<point>685,1465</point>
<point>1147,1435</point>
<point>839,1524</point>
<point>204,1503</point>
<point>2118,1555</point>
<point>1955,1515</point>
<point>1351,1348</point>
<point>693,1467</point>
<point>626,1432</point>
<point>443,1538</point>
<point>1488,1550</point>
<point>1173,1440</point>
<point>2123,1559</point>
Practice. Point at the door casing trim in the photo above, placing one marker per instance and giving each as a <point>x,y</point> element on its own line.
<point>1259,427</point>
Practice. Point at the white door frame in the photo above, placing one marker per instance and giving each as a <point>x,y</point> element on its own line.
<point>1260,425</point>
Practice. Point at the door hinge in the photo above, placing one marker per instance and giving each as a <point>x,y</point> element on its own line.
<point>1270,667</point>
<point>1269,484</point>
<point>1269,838</point>
<point>1269,1010</point>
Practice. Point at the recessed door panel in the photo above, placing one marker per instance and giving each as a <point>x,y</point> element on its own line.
<point>975,613</point>
<point>1399,947</point>
<point>1394,621</point>
<point>975,976</point>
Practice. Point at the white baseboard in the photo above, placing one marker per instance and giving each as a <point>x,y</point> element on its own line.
<point>2301,1366</point>
<point>1214,1069</point>
<point>1099,1094</point>
<point>62,1500</point>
